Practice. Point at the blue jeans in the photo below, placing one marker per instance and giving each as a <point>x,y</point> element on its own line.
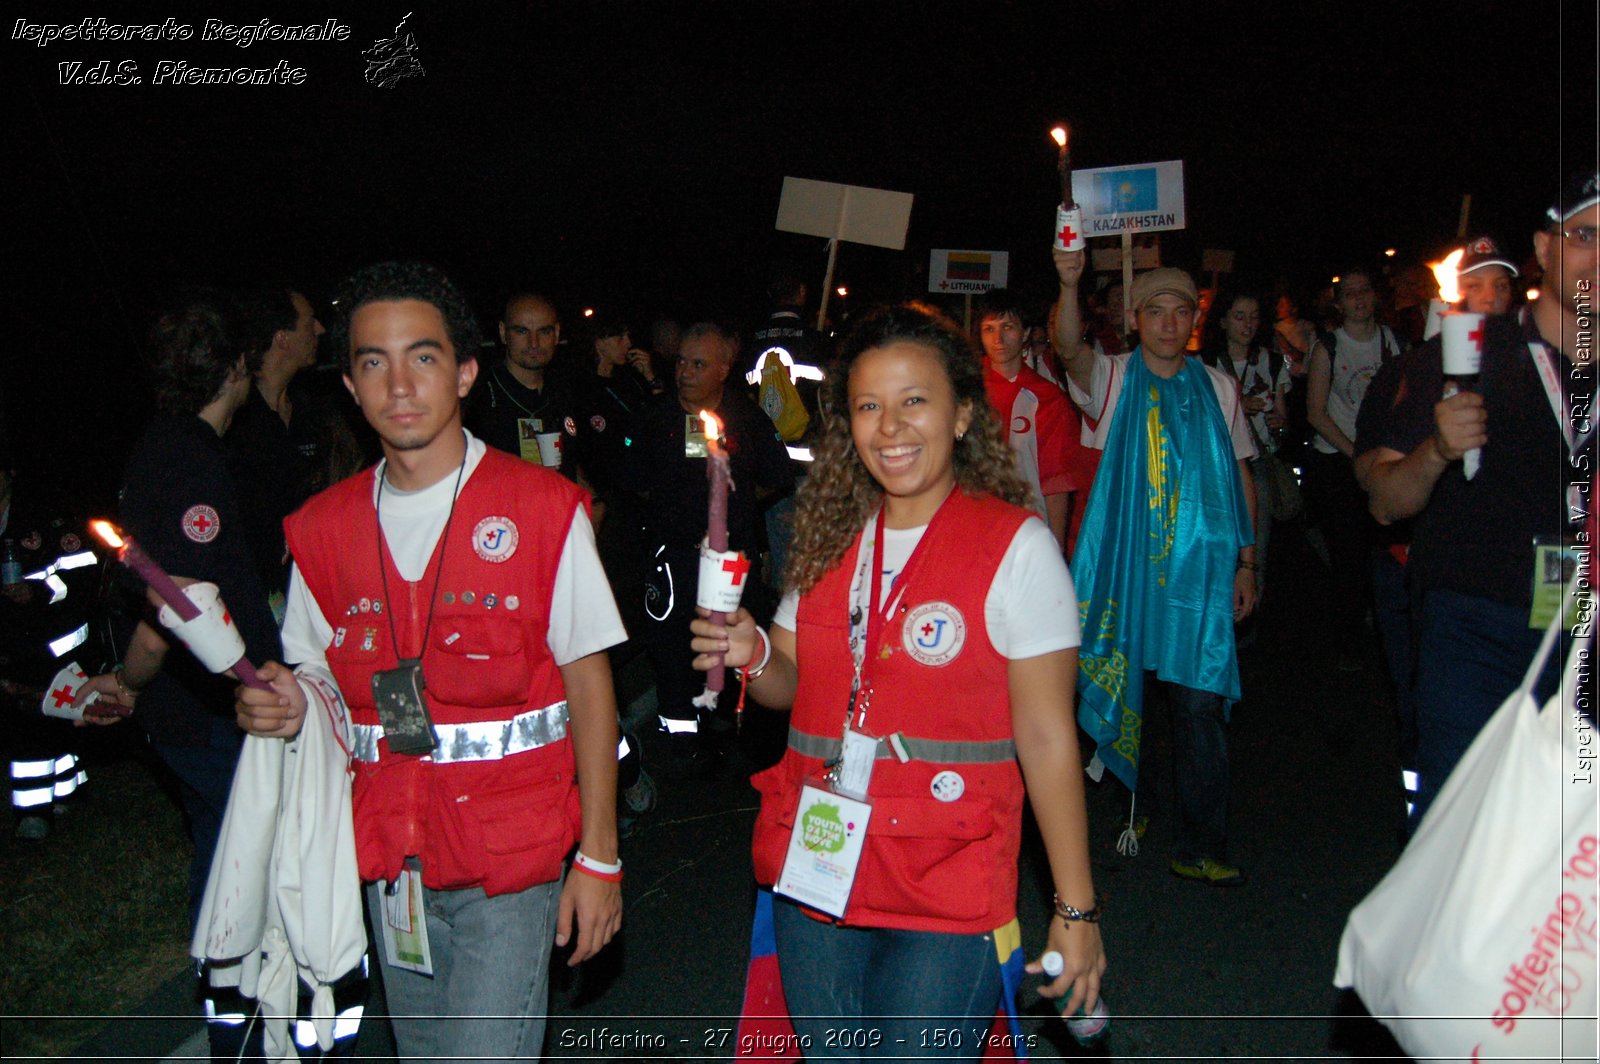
<point>872,992</point>
<point>1391,609</point>
<point>1200,761</point>
<point>1471,654</point>
<point>205,778</point>
<point>489,993</point>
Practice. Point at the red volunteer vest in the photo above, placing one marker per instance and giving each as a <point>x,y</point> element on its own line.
<point>498,820</point>
<point>928,865</point>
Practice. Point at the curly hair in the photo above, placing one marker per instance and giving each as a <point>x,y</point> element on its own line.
<point>840,494</point>
<point>193,352</point>
<point>388,281</point>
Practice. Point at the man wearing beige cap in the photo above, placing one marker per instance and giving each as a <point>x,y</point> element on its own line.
<point>1165,559</point>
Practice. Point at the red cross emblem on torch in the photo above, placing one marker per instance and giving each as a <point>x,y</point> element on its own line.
<point>738,567</point>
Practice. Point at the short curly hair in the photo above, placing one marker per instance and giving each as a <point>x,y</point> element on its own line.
<point>193,351</point>
<point>390,281</point>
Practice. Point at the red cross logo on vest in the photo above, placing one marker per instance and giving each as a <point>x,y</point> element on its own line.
<point>738,567</point>
<point>1067,236</point>
<point>63,697</point>
<point>201,523</point>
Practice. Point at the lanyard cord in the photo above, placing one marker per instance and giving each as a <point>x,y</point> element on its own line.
<point>383,573</point>
<point>861,685</point>
<point>544,401</point>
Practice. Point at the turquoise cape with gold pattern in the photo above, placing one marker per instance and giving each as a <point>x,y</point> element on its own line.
<point>1156,557</point>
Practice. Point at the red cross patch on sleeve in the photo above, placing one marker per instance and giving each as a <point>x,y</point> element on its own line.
<point>201,523</point>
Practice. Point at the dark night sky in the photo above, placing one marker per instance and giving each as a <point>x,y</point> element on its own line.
<point>632,153</point>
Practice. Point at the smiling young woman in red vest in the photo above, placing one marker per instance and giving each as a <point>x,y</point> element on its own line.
<point>938,627</point>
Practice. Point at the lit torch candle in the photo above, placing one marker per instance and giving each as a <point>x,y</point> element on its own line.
<point>1064,164</point>
<point>1445,274</point>
<point>716,519</point>
<point>1461,343</point>
<point>1069,218</point>
<point>166,589</point>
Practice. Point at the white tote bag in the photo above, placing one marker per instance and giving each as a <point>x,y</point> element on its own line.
<point>1480,943</point>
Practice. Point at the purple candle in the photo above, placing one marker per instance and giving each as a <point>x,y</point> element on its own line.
<point>167,589</point>
<point>716,519</point>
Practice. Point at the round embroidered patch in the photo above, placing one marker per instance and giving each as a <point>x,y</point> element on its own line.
<point>947,786</point>
<point>71,543</point>
<point>32,541</point>
<point>201,523</point>
<point>571,426</point>
<point>597,423</point>
<point>495,539</point>
<point>934,633</point>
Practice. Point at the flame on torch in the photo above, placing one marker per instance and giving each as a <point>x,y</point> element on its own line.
<point>1445,273</point>
<point>1059,134</point>
<point>713,427</point>
<point>107,532</point>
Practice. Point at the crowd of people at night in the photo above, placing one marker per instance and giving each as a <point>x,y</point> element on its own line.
<point>969,558</point>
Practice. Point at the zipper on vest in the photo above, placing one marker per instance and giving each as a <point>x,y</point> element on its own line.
<point>413,800</point>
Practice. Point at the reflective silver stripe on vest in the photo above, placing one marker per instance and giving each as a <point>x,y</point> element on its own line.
<point>935,751</point>
<point>488,740</point>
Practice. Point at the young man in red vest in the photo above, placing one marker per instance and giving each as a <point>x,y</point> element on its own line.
<point>454,595</point>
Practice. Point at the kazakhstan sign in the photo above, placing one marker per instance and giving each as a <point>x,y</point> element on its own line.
<point>1144,198</point>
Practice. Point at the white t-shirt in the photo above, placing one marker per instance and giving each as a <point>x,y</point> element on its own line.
<point>1355,363</point>
<point>1031,608</point>
<point>1254,376</point>
<point>583,616</point>
<point>1105,387</point>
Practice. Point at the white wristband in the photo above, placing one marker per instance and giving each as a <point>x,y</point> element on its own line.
<point>581,858</point>
<point>766,655</point>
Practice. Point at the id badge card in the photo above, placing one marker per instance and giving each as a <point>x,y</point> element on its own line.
<point>694,436</point>
<point>405,927</point>
<point>824,849</point>
<point>1554,566</point>
<point>402,709</point>
<point>528,429</point>
<point>854,771</point>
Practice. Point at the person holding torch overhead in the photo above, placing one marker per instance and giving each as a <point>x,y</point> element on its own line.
<point>926,644</point>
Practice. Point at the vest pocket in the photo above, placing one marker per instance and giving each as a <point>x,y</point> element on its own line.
<point>504,838</point>
<point>477,661</point>
<point>774,820</point>
<point>924,857</point>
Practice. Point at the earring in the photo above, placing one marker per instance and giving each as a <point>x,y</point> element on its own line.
<point>961,436</point>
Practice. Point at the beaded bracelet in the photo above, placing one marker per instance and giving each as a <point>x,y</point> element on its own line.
<point>1072,913</point>
<point>611,873</point>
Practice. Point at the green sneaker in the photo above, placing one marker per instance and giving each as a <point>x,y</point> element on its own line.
<point>1206,870</point>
